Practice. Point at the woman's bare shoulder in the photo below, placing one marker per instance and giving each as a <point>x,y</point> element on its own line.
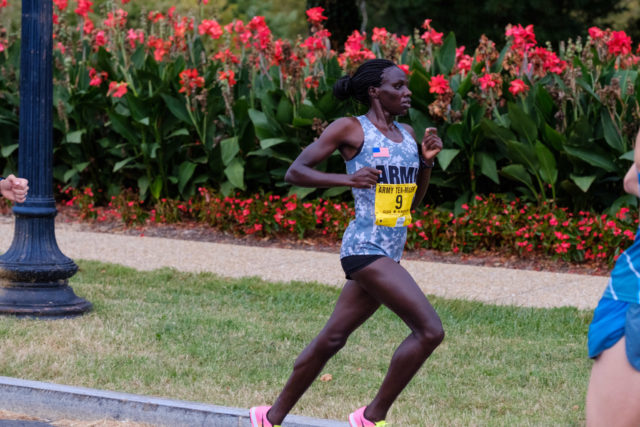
<point>345,124</point>
<point>345,130</point>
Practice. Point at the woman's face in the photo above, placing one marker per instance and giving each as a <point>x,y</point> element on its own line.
<point>394,94</point>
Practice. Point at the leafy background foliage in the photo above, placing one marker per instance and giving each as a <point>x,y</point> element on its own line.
<point>567,138</point>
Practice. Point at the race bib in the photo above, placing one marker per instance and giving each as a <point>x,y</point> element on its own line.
<point>393,204</point>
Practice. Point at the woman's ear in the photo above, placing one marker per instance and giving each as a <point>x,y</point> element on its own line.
<point>373,92</point>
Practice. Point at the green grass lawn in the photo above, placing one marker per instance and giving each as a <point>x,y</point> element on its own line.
<point>233,342</point>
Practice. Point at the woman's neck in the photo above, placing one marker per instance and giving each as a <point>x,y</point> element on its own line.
<point>381,119</point>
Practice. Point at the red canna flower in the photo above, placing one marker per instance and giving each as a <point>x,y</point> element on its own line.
<point>463,61</point>
<point>517,86</point>
<point>314,15</point>
<point>439,84</point>
<point>596,33</point>
<point>380,35</point>
<point>405,68</point>
<point>261,30</point>
<point>117,20</point>
<point>160,47</point>
<point>431,36</point>
<point>155,16</point>
<point>135,36</point>
<point>61,4</point>
<point>316,46</point>
<point>257,23</point>
<point>550,61</point>
<point>311,82</point>
<point>523,37</point>
<point>171,12</point>
<point>117,89</point>
<point>277,56</point>
<point>190,81</point>
<point>228,76</point>
<point>211,28</point>
<point>488,81</point>
<point>88,26</point>
<point>236,26</point>
<point>84,7</point>
<point>354,49</point>
<point>97,77</point>
<point>226,56</point>
<point>403,41</point>
<point>619,43</point>
<point>100,39</point>
<point>181,27</point>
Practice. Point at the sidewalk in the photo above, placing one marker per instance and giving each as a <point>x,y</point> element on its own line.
<point>487,284</point>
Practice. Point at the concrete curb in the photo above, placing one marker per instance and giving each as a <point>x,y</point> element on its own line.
<point>54,401</point>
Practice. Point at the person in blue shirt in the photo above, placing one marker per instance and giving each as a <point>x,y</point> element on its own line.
<point>388,172</point>
<point>614,335</point>
<point>14,189</point>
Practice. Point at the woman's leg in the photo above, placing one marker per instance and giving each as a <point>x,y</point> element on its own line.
<point>390,284</point>
<point>353,307</point>
<point>614,387</point>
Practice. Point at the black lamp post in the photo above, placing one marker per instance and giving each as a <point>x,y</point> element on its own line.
<point>34,272</point>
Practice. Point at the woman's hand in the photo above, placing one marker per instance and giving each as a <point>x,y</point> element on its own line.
<point>14,189</point>
<point>431,144</point>
<point>365,178</point>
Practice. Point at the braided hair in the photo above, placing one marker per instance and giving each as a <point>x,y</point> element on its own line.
<point>357,86</point>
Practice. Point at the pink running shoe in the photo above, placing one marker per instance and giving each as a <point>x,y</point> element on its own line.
<point>258,416</point>
<point>357,419</point>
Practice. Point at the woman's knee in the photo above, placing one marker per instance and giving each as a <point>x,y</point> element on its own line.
<point>321,349</point>
<point>430,336</point>
<point>329,343</point>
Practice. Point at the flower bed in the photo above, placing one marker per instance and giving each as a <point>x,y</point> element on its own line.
<point>487,224</point>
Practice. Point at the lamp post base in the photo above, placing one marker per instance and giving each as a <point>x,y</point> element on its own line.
<point>50,300</point>
<point>34,272</point>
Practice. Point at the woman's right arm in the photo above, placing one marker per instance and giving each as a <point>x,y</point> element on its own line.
<point>342,132</point>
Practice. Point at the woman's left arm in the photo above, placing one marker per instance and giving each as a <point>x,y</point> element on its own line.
<point>430,146</point>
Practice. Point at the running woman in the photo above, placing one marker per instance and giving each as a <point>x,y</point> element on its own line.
<point>389,175</point>
<point>614,334</point>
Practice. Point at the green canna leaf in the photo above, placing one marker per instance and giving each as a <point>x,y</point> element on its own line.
<point>185,172</point>
<point>611,133</point>
<point>583,182</point>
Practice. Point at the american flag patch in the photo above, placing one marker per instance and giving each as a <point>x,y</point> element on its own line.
<point>380,152</point>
